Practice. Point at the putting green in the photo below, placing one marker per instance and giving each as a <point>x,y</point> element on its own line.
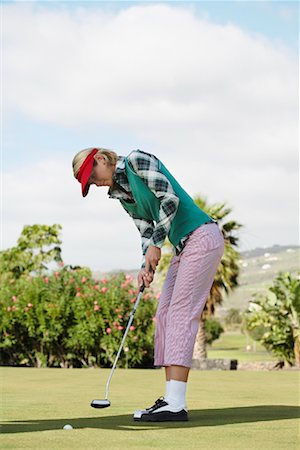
<point>227,410</point>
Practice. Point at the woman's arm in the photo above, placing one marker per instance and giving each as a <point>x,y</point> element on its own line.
<point>145,228</point>
<point>146,166</point>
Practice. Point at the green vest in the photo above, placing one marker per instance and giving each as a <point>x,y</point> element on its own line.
<point>146,206</point>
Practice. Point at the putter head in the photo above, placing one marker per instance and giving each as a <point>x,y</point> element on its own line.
<point>100,403</point>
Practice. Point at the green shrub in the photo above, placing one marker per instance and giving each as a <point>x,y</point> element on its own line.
<point>68,319</point>
<point>213,330</point>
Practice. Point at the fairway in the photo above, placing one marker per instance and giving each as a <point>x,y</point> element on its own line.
<point>227,410</point>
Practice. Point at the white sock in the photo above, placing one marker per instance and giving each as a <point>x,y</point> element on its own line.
<point>176,394</point>
<point>167,388</point>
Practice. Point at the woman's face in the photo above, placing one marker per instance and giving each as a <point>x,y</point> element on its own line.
<point>102,173</point>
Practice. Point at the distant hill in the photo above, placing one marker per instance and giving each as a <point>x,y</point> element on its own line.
<point>258,268</point>
<point>260,251</point>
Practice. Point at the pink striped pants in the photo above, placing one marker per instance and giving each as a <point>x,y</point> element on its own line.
<point>184,294</point>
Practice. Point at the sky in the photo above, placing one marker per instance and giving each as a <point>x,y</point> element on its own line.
<point>210,88</point>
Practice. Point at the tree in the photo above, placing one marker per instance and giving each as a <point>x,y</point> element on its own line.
<point>274,320</point>
<point>227,274</point>
<point>33,251</point>
<point>233,317</point>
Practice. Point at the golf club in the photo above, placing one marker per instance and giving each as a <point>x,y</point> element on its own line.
<point>105,403</point>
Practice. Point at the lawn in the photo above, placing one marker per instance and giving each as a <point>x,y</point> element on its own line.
<point>232,345</point>
<point>227,410</point>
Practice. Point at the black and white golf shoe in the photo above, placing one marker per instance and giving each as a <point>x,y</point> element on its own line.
<point>161,411</point>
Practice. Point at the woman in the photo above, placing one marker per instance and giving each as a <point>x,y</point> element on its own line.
<point>160,207</point>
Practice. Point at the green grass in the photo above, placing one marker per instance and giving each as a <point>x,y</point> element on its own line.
<point>227,410</point>
<point>232,345</point>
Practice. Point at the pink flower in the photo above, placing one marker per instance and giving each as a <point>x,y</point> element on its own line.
<point>120,316</point>
<point>147,296</point>
<point>72,280</point>
<point>115,324</point>
<point>128,277</point>
<point>108,330</point>
<point>120,327</point>
<point>46,280</point>
<point>61,263</point>
<point>30,305</point>
<point>133,300</point>
<point>104,289</point>
<point>158,295</point>
<point>96,287</point>
<point>104,280</point>
<point>123,285</point>
<point>78,294</point>
<point>83,280</point>
<point>56,274</point>
<point>14,299</point>
<point>26,309</point>
<point>132,328</point>
<point>96,307</point>
<point>78,289</point>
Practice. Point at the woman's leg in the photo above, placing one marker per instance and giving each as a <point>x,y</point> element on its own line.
<point>198,264</point>
<point>162,310</point>
<point>175,372</point>
<point>179,373</point>
<point>185,291</point>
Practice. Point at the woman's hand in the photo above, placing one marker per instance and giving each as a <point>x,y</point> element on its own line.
<point>144,277</point>
<point>153,255</point>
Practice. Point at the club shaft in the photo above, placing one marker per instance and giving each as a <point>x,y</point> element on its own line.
<point>123,340</point>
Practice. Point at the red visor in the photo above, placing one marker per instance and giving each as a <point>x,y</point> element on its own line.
<point>85,172</point>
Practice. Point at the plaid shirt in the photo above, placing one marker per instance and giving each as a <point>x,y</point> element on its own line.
<point>146,166</point>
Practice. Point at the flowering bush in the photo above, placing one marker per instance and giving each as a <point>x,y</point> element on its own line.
<point>274,319</point>
<point>68,319</point>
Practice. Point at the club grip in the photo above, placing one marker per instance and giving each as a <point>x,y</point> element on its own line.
<point>142,288</point>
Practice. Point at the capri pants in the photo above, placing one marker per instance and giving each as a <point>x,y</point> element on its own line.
<point>184,294</point>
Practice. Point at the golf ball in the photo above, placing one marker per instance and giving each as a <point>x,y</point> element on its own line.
<point>68,427</point>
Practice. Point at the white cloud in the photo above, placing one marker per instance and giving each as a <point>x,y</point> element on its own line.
<point>218,105</point>
<point>97,232</point>
<point>154,69</point>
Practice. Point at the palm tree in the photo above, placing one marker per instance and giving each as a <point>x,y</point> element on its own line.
<point>226,277</point>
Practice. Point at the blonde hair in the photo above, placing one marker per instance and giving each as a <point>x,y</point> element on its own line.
<point>110,156</point>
